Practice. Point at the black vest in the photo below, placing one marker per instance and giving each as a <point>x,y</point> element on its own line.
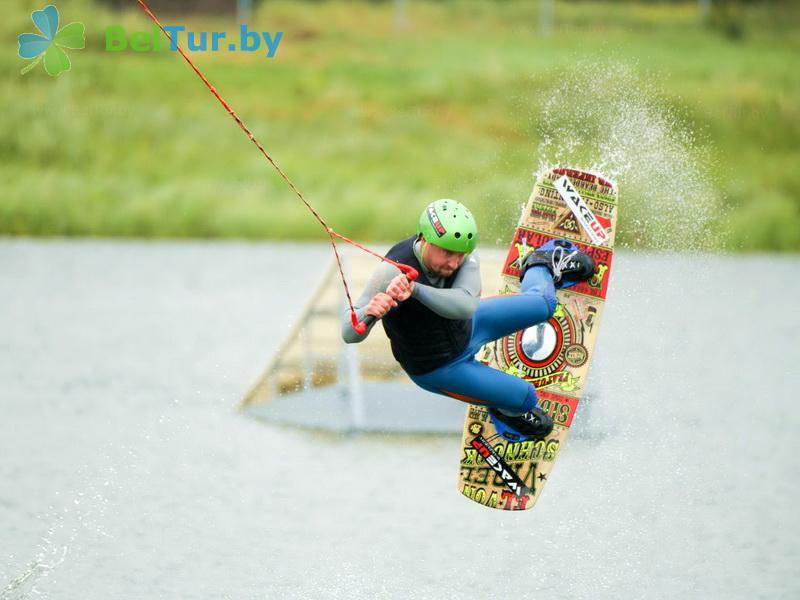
<point>422,340</point>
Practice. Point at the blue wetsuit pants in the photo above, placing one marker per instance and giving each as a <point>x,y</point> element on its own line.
<point>464,378</point>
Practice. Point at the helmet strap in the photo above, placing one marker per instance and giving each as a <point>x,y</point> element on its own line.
<point>422,247</point>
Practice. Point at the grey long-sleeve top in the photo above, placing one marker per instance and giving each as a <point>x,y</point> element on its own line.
<point>456,302</point>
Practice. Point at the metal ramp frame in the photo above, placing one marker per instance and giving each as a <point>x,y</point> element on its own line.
<point>317,381</point>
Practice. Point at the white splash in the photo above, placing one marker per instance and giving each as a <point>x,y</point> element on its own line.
<point>605,118</point>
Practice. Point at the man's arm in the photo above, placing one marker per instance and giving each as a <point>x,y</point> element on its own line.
<point>461,300</point>
<point>377,284</point>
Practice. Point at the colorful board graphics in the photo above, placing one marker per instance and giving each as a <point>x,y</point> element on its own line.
<point>555,355</point>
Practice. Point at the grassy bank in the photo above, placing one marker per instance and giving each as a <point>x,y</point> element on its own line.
<point>371,122</point>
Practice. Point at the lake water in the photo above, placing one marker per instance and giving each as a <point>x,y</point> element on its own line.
<point>126,472</point>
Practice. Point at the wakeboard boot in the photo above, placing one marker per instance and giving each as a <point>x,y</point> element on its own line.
<point>566,263</point>
<point>533,424</point>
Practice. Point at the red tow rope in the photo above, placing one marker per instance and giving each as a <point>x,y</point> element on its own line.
<point>410,272</point>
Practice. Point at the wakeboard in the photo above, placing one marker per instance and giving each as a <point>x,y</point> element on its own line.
<point>498,468</point>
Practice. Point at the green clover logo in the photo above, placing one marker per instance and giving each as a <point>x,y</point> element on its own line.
<point>49,44</point>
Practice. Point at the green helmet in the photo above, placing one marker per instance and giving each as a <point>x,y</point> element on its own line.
<point>449,225</point>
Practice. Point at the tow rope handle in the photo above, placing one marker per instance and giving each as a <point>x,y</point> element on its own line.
<point>361,328</point>
<point>410,272</point>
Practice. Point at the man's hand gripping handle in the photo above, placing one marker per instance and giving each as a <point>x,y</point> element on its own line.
<point>361,328</point>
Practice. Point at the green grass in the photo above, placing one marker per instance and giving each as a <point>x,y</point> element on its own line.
<point>371,123</point>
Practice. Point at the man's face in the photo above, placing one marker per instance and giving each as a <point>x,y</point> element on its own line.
<point>441,262</point>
